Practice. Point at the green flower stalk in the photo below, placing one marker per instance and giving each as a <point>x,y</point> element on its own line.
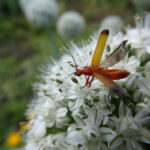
<point>42,13</point>
<point>141,6</point>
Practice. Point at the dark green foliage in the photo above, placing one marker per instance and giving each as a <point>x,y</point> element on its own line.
<point>9,7</point>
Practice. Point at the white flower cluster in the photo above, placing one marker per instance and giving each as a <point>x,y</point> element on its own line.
<point>113,23</point>
<point>70,24</point>
<point>141,42</point>
<point>68,117</point>
<point>41,13</point>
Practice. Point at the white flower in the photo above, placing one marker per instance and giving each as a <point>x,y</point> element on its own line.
<point>61,112</point>
<point>41,13</point>
<point>145,104</point>
<point>56,141</point>
<point>129,129</point>
<point>70,24</point>
<point>113,23</point>
<point>88,132</point>
<point>147,69</point>
<point>75,138</point>
<point>131,83</point>
<point>144,85</point>
<point>139,37</point>
<point>38,128</point>
<point>69,117</point>
<point>61,117</point>
<point>51,142</point>
<point>31,145</point>
<point>138,96</point>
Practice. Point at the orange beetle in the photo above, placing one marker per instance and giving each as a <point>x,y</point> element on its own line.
<point>100,69</point>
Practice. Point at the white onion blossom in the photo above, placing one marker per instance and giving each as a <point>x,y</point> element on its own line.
<point>41,13</point>
<point>113,23</point>
<point>68,117</point>
<point>70,24</point>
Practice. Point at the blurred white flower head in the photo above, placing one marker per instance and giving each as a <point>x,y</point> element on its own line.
<point>113,23</point>
<point>73,118</point>
<point>41,13</point>
<point>70,24</point>
<point>141,43</point>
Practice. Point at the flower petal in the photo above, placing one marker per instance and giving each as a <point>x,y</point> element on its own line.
<point>108,134</point>
<point>144,85</point>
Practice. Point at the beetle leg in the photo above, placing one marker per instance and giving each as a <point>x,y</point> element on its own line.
<point>91,81</point>
<point>87,81</point>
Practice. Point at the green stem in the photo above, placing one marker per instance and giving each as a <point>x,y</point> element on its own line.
<point>53,43</point>
<point>140,8</point>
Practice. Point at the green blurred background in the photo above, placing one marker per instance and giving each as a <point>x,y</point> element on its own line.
<point>24,48</point>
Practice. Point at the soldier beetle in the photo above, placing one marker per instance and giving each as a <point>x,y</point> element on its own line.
<point>99,69</point>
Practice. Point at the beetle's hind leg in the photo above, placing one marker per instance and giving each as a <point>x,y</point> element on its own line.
<point>91,81</point>
<point>87,81</point>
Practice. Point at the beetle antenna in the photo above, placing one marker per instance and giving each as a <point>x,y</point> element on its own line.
<point>68,75</point>
<point>73,59</point>
<point>67,49</point>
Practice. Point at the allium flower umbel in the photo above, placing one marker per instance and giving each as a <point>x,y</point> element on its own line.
<point>113,23</point>
<point>68,117</point>
<point>70,24</point>
<point>41,13</point>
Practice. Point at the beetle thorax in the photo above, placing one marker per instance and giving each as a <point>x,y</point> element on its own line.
<point>84,71</point>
